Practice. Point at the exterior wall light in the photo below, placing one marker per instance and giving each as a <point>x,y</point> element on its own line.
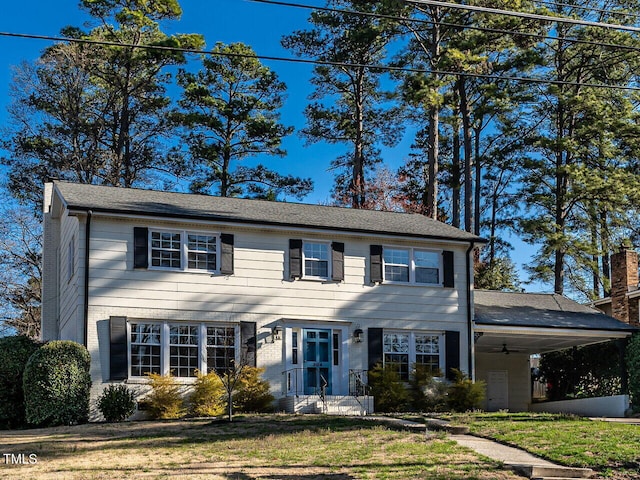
<point>276,333</point>
<point>357,335</point>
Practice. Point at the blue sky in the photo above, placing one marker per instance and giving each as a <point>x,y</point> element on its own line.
<point>258,25</point>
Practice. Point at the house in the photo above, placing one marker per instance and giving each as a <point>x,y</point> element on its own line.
<point>170,283</point>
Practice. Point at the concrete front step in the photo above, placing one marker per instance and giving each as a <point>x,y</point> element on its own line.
<point>552,472</point>
<point>332,405</point>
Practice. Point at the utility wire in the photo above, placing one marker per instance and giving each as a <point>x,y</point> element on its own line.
<point>448,24</point>
<point>530,16</point>
<point>587,9</point>
<point>388,68</point>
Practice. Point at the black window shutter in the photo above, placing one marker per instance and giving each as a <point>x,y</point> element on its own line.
<point>337,261</point>
<point>248,343</point>
<point>295,258</point>
<point>376,263</point>
<point>447,264</point>
<point>451,353</point>
<point>118,364</point>
<point>226,257</point>
<point>374,346</point>
<point>140,247</point>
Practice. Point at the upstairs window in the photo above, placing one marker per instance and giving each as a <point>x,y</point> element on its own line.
<point>316,260</point>
<point>410,265</point>
<point>180,250</point>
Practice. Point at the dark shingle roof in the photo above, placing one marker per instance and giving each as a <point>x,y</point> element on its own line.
<point>540,310</point>
<point>259,212</point>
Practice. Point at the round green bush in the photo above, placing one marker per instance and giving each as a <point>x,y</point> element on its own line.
<point>14,354</point>
<point>117,403</point>
<point>56,384</point>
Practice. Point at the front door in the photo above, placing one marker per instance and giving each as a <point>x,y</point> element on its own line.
<point>317,362</point>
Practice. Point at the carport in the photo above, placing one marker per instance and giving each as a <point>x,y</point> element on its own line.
<point>510,327</point>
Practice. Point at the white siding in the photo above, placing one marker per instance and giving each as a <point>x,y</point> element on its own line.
<point>258,291</point>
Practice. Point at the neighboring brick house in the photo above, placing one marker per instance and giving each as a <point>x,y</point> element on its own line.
<point>169,283</point>
<point>624,300</point>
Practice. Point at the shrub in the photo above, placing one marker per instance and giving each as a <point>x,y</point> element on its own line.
<point>387,389</point>
<point>207,399</point>
<point>428,393</point>
<point>117,403</point>
<point>14,354</point>
<point>253,394</point>
<point>56,384</point>
<point>165,399</point>
<point>464,394</point>
<point>633,367</point>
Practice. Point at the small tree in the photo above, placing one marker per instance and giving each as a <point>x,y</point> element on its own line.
<point>56,384</point>
<point>14,355</point>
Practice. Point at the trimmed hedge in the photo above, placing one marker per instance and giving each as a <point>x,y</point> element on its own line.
<point>14,355</point>
<point>56,384</point>
<point>633,366</point>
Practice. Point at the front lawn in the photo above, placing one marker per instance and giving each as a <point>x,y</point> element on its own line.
<point>276,446</point>
<point>610,448</point>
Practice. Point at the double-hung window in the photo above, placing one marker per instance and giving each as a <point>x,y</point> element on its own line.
<point>182,250</point>
<point>411,265</point>
<point>403,350</point>
<point>316,260</point>
<point>179,349</point>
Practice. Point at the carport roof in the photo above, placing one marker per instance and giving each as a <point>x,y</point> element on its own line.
<point>542,310</point>
<point>531,323</point>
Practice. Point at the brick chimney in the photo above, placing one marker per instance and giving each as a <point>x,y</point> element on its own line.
<point>624,278</point>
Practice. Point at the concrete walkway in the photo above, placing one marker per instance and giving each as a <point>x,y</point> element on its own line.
<point>516,459</point>
<point>499,452</point>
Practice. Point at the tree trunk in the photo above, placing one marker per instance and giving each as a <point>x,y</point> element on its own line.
<point>466,132</point>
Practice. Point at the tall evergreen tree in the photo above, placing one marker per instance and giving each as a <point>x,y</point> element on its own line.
<point>230,112</point>
<point>96,113</point>
<point>349,106</point>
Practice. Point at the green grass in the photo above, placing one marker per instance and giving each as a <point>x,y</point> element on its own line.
<point>609,448</point>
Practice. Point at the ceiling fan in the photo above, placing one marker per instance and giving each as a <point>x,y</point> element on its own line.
<point>504,350</point>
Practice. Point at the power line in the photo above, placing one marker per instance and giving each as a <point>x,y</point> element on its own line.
<point>586,9</point>
<point>448,24</point>
<point>530,16</point>
<point>388,68</point>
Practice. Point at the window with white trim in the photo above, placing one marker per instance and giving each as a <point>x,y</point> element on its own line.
<point>221,348</point>
<point>403,350</point>
<point>183,250</point>
<point>179,349</point>
<point>412,265</point>
<point>145,349</point>
<point>316,257</point>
